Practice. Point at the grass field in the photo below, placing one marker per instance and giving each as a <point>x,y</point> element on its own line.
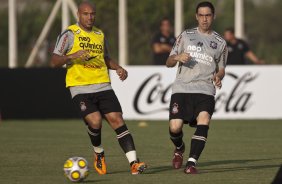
<point>244,152</point>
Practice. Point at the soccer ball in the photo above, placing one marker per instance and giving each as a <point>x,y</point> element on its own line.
<point>76,169</point>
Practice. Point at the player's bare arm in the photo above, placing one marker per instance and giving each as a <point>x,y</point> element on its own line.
<point>173,59</point>
<point>121,72</point>
<point>218,77</point>
<point>58,61</point>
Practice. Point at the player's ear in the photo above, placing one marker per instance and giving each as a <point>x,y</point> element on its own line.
<point>214,16</point>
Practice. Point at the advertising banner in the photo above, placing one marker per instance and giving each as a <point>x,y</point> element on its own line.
<point>248,92</point>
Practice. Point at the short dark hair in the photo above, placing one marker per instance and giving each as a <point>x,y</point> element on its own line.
<point>205,4</point>
<point>230,29</point>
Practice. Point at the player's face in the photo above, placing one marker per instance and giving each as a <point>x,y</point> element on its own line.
<point>205,18</point>
<point>86,16</point>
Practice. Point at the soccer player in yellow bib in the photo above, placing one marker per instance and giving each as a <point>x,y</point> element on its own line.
<point>83,49</point>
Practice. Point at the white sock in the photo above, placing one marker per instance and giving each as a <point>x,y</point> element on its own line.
<point>131,156</point>
<point>192,160</point>
<point>98,149</point>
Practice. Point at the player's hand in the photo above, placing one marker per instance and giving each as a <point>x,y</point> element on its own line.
<point>122,73</point>
<point>183,57</point>
<point>82,55</point>
<point>217,82</point>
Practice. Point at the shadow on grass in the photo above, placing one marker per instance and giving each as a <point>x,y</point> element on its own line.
<point>224,162</point>
<point>159,169</point>
<point>240,168</point>
<point>119,172</point>
<point>242,165</point>
<point>95,181</point>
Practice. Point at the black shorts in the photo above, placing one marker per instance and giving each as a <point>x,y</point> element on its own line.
<point>104,102</point>
<point>187,106</point>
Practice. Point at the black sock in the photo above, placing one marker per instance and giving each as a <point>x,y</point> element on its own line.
<point>125,139</point>
<point>95,136</point>
<point>176,138</point>
<point>198,142</point>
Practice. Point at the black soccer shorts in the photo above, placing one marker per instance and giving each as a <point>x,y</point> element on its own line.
<point>104,102</point>
<point>187,106</point>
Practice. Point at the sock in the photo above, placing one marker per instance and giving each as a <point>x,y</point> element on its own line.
<point>95,137</point>
<point>176,138</point>
<point>198,142</point>
<point>126,143</point>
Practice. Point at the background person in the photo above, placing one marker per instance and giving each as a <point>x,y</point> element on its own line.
<point>238,50</point>
<point>162,42</point>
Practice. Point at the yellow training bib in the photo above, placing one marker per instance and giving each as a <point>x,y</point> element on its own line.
<point>93,71</point>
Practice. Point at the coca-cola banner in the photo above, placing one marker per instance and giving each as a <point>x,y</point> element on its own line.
<point>248,92</point>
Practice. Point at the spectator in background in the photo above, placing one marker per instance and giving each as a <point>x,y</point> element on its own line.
<point>162,42</point>
<point>238,50</point>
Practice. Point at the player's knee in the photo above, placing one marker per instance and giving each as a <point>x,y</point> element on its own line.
<point>175,126</point>
<point>94,120</point>
<point>115,120</point>
<point>203,118</point>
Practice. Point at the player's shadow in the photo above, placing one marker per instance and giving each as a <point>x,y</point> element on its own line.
<point>159,169</point>
<point>224,162</point>
<point>95,181</point>
<point>242,165</point>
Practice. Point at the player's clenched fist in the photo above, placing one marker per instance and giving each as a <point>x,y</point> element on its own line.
<point>183,57</point>
<point>83,55</point>
<point>122,73</point>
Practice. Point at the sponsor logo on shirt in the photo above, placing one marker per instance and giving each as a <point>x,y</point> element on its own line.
<point>97,32</point>
<point>196,53</point>
<point>85,44</point>
<point>65,39</point>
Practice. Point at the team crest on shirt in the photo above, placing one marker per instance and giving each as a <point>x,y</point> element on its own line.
<point>213,45</point>
<point>82,106</point>
<point>174,108</point>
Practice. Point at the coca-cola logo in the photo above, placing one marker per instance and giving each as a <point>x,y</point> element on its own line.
<point>152,91</point>
<point>153,95</point>
<point>238,99</point>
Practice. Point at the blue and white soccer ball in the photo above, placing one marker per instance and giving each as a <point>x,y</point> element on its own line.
<point>76,169</point>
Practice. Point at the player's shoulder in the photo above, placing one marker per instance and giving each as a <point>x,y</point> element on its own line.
<point>190,31</point>
<point>218,37</point>
<point>97,31</point>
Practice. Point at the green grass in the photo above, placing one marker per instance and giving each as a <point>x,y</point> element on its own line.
<point>245,152</point>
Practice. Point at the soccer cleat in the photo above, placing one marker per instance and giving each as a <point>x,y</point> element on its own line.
<point>100,164</point>
<point>138,168</point>
<point>190,169</point>
<point>177,159</point>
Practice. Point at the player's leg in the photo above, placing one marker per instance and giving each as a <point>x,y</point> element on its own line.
<point>110,107</point>
<point>198,142</point>
<point>204,111</point>
<point>93,120</point>
<point>94,126</point>
<point>176,116</point>
<point>176,135</point>
<point>126,142</point>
